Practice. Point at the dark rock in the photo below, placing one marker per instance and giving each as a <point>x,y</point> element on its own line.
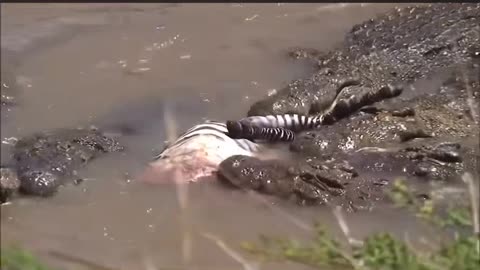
<point>446,153</point>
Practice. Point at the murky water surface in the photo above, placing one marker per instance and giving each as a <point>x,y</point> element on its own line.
<point>81,64</point>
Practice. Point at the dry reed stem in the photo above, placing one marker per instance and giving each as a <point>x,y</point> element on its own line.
<point>474,197</point>
<point>471,100</point>
<point>230,252</point>
<point>467,177</point>
<point>337,212</point>
<point>182,194</point>
<point>148,263</point>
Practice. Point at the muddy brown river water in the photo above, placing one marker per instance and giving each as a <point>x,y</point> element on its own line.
<point>81,64</point>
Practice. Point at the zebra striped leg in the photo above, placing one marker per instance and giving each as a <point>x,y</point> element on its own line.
<point>344,107</point>
<point>293,122</point>
<point>242,130</point>
<point>282,127</point>
<point>272,128</point>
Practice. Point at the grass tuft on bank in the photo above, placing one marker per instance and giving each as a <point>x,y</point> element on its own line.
<point>382,250</point>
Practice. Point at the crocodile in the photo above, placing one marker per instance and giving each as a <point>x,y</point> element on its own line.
<point>45,160</point>
<point>430,132</point>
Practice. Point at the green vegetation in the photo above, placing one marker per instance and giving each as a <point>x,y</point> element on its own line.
<point>383,251</point>
<point>15,258</point>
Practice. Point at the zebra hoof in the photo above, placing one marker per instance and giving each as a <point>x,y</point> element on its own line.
<point>235,129</point>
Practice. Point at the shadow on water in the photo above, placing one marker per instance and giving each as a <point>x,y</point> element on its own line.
<point>118,67</point>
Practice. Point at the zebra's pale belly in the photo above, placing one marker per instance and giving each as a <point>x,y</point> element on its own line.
<point>196,158</point>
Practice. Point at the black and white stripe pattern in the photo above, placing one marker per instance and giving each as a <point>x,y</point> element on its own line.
<point>282,127</point>
<point>240,136</point>
<point>218,131</point>
<point>242,130</point>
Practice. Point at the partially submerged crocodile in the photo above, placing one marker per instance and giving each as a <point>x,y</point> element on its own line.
<point>45,160</point>
<point>426,133</point>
